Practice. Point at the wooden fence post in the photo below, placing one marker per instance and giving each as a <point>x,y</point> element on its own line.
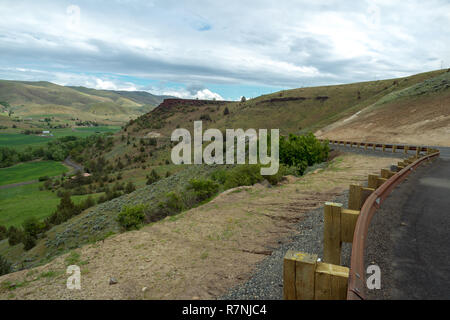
<point>332,233</point>
<point>299,275</point>
<point>331,282</point>
<point>394,148</point>
<point>372,181</point>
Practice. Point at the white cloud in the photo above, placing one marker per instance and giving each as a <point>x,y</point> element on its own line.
<point>288,43</point>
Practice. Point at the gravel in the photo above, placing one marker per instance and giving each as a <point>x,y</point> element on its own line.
<point>266,283</point>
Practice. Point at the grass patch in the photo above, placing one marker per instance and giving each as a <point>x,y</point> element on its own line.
<point>19,203</point>
<point>30,171</point>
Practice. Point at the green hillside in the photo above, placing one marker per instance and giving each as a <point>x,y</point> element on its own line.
<point>44,99</point>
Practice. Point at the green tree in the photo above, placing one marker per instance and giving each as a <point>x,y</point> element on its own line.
<point>5,266</point>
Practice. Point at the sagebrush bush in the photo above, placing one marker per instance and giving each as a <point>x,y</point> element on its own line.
<point>131,217</point>
<point>203,188</point>
<point>171,204</point>
<point>243,175</point>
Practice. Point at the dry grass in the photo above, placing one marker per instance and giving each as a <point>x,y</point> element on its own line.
<point>200,253</point>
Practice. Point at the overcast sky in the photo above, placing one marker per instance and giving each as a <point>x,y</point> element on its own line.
<point>221,49</point>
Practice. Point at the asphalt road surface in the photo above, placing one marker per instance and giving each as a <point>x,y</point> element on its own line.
<point>409,236</point>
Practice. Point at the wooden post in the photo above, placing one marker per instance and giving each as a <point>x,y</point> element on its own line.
<point>365,146</point>
<point>385,173</point>
<point>394,148</point>
<point>372,181</point>
<point>299,275</point>
<point>383,148</point>
<point>307,279</point>
<point>348,224</point>
<point>417,152</point>
<point>374,146</point>
<point>331,282</point>
<point>406,148</point>
<point>354,197</point>
<point>380,181</point>
<point>289,276</point>
<point>332,233</point>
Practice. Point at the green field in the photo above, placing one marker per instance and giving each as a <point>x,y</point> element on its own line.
<point>20,141</point>
<point>20,203</point>
<point>30,171</point>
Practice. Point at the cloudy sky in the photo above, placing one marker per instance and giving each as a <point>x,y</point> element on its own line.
<point>220,49</point>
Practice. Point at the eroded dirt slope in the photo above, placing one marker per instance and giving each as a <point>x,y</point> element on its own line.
<point>417,115</point>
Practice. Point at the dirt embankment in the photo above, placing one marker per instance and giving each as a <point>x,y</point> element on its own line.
<point>424,120</point>
<point>199,254</point>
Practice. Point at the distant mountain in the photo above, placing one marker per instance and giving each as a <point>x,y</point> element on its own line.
<point>41,98</point>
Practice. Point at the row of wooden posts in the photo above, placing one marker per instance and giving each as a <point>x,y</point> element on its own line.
<point>307,278</point>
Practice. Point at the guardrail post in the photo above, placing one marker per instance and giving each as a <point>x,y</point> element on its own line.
<point>299,275</point>
<point>357,196</point>
<point>374,146</point>
<point>306,279</point>
<point>365,146</point>
<point>331,282</point>
<point>385,173</point>
<point>372,181</point>
<point>383,148</point>
<point>394,148</point>
<point>332,233</point>
<point>405,149</point>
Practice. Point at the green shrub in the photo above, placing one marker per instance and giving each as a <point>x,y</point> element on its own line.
<point>302,151</point>
<point>15,236</point>
<point>276,178</point>
<point>131,217</point>
<point>28,242</point>
<point>243,175</point>
<point>172,204</point>
<point>3,232</point>
<point>130,187</point>
<point>203,188</point>
<point>32,227</point>
<point>5,266</point>
<point>220,176</point>
<point>152,177</point>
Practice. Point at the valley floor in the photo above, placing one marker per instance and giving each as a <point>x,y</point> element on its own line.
<point>199,254</point>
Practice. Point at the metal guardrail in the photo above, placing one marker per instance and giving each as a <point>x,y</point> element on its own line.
<point>357,279</point>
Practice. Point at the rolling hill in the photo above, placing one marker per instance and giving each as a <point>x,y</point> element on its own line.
<point>416,107</point>
<point>418,114</point>
<point>44,99</point>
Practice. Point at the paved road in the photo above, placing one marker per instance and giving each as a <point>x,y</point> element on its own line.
<point>445,151</point>
<point>68,161</point>
<point>409,237</point>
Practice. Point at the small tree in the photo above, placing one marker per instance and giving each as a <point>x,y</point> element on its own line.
<point>226,111</point>
<point>5,266</point>
<point>243,99</point>
<point>131,217</point>
<point>130,187</point>
<point>153,177</point>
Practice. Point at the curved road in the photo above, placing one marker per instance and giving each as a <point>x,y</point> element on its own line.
<point>409,236</point>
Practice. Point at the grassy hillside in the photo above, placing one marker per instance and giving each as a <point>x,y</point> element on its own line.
<point>144,143</point>
<point>44,99</point>
<point>417,114</point>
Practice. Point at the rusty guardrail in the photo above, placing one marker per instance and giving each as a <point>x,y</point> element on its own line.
<point>307,277</point>
<point>357,279</point>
